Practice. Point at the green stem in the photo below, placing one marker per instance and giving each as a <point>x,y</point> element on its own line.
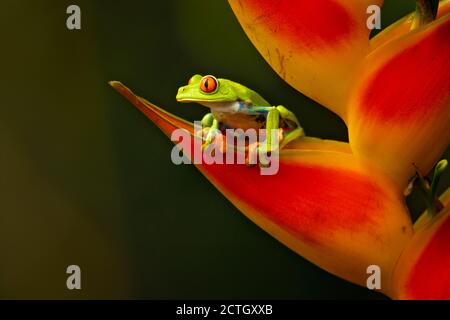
<point>429,189</point>
<point>426,11</point>
<point>425,190</point>
<point>438,170</point>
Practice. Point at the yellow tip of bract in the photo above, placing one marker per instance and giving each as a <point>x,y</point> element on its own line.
<point>114,83</point>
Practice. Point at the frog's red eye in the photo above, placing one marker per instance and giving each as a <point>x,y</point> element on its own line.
<point>209,84</point>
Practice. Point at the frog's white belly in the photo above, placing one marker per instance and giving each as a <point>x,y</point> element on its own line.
<point>223,107</point>
<point>235,115</point>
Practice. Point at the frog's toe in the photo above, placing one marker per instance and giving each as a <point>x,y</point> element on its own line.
<point>264,163</point>
<point>266,149</point>
<point>249,163</point>
<point>263,156</point>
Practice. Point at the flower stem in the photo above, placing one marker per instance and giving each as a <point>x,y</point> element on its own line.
<point>426,11</point>
<point>429,188</point>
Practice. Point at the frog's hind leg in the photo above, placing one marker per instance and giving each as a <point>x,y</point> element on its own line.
<point>291,135</point>
<point>294,131</point>
<point>272,123</point>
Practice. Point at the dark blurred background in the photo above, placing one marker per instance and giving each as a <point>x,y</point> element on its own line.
<point>86,179</point>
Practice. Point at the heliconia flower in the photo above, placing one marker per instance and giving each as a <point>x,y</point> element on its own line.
<point>323,203</point>
<point>423,270</point>
<point>313,45</point>
<point>399,109</point>
<point>341,205</point>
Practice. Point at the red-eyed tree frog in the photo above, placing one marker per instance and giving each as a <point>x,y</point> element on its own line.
<point>235,106</point>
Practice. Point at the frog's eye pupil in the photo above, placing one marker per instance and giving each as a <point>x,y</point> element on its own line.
<point>208,84</point>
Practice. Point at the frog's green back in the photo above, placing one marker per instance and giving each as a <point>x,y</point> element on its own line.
<point>246,94</point>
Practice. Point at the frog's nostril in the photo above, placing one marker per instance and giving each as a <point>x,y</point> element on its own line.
<point>180,93</point>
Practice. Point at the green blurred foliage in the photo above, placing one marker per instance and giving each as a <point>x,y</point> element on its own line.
<point>88,180</point>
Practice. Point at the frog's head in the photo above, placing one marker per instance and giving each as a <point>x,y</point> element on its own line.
<point>211,91</point>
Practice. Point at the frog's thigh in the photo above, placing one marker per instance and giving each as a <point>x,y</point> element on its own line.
<point>292,133</point>
<point>287,114</point>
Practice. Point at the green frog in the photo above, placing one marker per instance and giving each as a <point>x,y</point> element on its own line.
<point>234,106</point>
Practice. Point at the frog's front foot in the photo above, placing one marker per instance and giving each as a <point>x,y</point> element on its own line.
<point>251,157</point>
<point>213,138</point>
<point>210,129</point>
<point>210,135</point>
